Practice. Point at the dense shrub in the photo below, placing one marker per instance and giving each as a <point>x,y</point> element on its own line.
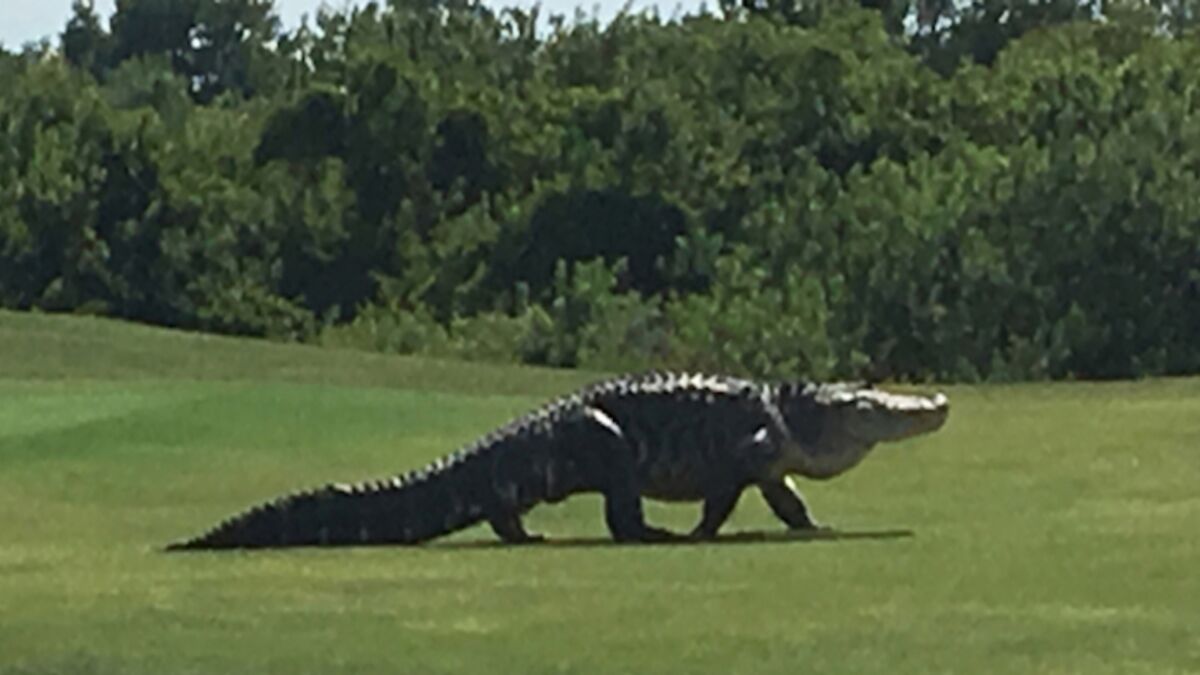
<point>786,188</point>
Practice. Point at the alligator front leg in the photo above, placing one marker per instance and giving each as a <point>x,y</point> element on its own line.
<point>785,501</point>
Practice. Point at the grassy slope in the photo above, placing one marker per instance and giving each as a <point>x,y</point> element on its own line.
<point>1054,530</point>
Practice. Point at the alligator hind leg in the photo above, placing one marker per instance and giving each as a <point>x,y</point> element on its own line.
<point>717,507</point>
<point>614,463</point>
<point>626,522</point>
<point>510,529</point>
<point>785,501</point>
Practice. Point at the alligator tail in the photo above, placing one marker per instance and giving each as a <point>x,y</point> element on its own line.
<point>408,509</point>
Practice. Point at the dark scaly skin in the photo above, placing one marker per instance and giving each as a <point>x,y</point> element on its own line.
<point>667,436</point>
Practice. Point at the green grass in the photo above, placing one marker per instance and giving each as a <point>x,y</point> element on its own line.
<point>1053,530</point>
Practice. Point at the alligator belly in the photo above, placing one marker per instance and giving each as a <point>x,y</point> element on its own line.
<point>672,483</point>
<point>674,495</point>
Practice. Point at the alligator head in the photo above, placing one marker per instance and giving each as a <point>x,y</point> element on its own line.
<point>834,426</point>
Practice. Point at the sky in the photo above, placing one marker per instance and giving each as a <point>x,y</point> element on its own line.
<point>24,21</point>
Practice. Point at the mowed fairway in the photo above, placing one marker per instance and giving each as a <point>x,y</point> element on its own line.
<point>1054,529</point>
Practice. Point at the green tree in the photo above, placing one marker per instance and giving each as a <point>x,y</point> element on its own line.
<point>85,44</point>
<point>217,46</point>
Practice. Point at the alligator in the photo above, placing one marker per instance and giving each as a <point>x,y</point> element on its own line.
<point>660,435</point>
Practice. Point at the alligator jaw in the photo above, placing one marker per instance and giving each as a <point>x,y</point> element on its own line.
<point>876,416</point>
<point>840,423</point>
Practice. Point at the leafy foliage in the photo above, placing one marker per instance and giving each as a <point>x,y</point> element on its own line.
<point>892,189</point>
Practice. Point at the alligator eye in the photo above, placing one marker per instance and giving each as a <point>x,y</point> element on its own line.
<point>842,398</point>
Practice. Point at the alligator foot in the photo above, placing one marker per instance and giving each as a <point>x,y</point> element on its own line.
<point>812,527</point>
<point>528,538</point>
<point>659,534</point>
<point>650,535</point>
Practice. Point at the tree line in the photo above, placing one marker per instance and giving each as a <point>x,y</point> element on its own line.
<point>908,189</point>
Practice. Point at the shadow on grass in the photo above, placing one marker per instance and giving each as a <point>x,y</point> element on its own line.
<point>751,537</point>
<point>735,538</point>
